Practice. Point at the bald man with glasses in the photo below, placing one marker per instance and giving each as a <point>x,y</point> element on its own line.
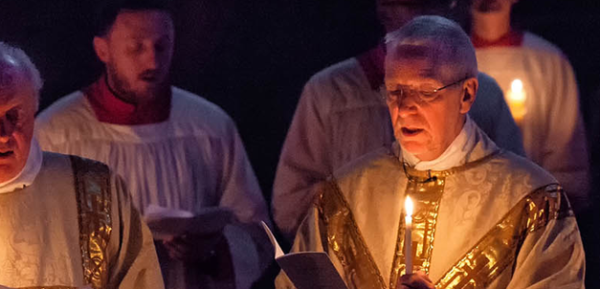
<point>482,217</point>
<point>341,116</point>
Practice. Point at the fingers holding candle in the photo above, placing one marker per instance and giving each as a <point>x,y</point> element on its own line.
<point>418,280</point>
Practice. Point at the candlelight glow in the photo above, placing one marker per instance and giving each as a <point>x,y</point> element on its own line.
<point>516,98</point>
<point>516,85</point>
<point>516,88</point>
<point>408,206</point>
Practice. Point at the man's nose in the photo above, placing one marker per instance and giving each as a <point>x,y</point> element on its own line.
<point>152,60</point>
<point>6,129</point>
<point>407,105</point>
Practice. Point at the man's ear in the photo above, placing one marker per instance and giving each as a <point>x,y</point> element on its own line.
<point>101,48</point>
<point>470,87</point>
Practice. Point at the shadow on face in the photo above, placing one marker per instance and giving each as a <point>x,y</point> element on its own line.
<point>137,53</point>
<point>18,104</point>
<point>492,6</point>
<point>393,14</point>
<point>425,123</point>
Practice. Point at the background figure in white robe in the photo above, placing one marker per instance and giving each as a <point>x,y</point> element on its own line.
<point>174,148</point>
<point>341,116</point>
<point>66,222</point>
<point>483,217</point>
<point>541,90</point>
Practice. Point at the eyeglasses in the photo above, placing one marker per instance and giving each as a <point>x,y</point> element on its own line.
<point>425,91</point>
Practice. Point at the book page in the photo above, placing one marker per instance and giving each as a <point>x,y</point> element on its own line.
<point>307,270</point>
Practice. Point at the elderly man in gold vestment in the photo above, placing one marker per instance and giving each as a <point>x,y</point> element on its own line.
<point>483,217</point>
<point>65,222</point>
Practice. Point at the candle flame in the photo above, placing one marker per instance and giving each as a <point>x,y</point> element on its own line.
<point>516,89</point>
<point>408,206</point>
<point>516,85</point>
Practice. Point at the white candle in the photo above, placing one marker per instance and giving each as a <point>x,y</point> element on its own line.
<point>408,210</point>
<point>516,97</point>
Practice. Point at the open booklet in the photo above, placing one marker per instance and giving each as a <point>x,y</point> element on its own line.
<point>165,223</point>
<point>307,270</point>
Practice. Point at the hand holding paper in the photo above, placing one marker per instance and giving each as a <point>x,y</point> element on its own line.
<point>187,237</point>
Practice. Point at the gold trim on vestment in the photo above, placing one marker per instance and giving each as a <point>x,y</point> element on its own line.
<point>478,268</point>
<point>92,186</point>
<point>498,249</point>
<point>426,195</point>
<point>426,189</point>
<point>345,240</point>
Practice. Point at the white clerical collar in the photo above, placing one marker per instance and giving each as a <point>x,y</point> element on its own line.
<point>455,155</point>
<point>28,173</point>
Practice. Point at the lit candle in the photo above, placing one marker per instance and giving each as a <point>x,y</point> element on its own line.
<point>516,97</point>
<point>408,209</point>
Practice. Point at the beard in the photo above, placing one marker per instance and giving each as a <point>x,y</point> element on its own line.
<point>488,6</point>
<point>124,90</point>
<point>120,86</point>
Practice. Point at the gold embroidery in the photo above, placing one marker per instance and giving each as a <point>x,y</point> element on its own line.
<point>92,185</point>
<point>426,193</point>
<point>426,189</point>
<point>345,240</point>
<point>498,248</point>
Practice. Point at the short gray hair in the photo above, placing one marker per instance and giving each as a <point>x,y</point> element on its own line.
<point>14,60</point>
<point>450,43</point>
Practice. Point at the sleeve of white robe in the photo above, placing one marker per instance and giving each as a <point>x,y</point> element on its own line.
<point>551,258</point>
<point>250,248</point>
<point>304,160</point>
<point>565,152</point>
<point>132,258</point>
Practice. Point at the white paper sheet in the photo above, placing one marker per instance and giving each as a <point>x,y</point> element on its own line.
<point>167,223</point>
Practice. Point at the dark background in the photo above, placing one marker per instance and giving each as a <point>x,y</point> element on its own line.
<point>253,57</point>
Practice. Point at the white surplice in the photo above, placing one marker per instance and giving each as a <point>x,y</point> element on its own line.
<point>552,128</point>
<point>194,159</point>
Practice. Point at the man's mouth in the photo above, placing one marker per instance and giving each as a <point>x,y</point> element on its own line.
<point>6,154</point>
<point>410,131</point>
<point>149,78</point>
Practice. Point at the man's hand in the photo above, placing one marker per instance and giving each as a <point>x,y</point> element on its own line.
<point>418,280</point>
<point>192,248</point>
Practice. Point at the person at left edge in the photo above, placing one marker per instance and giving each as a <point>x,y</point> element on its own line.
<point>65,221</point>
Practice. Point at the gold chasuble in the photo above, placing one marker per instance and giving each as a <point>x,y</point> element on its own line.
<point>499,221</point>
<point>92,186</point>
<point>74,226</point>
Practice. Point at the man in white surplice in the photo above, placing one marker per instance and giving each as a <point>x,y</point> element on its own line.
<point>546,106</point>
<point>65,222</point>
<point>483,216</point>
<point>341,116</point>
<point>175,149</point>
